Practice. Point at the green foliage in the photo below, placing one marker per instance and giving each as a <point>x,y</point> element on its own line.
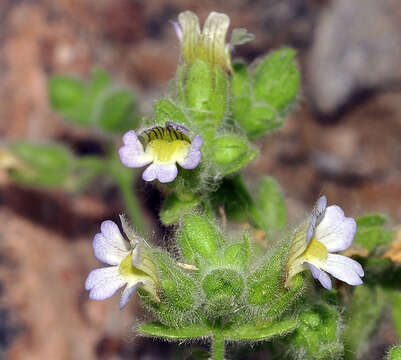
<point>362,319</point>
<point>223,289</point>
<point>231,153</point>
<point>98,103</point>
<point>317,336</point>
<point>371,232</point>
<point>200,241</point>
<point>261,331</point>
<point>264,282</point>
<point>237,201</point>
<point>165,110</point>
<point>238,255</point>
<point>271,203</point>
<point>194,331</point>
<point>174,208</point>
<point>260,99</point>
<point>48,165</point>
<point>394,353</point>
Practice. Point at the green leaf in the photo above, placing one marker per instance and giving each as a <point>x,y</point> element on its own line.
<point>194,331</point>
<point>371,232</point>
<point>271,203</point>
<point>117,112</point>
<point>238,254</point>
<point>45,164</point>
<point>262,283</point>
<point>362,319</point>
<point>259,101</point>
<point>174,208</point>
<point>370,220</point>
<point>200,241</point>
<point>277,79</point>
<point>317,336</point>
<point>166,110</point>
<point>260,332</point>
<point>237,201</point>
<point>98,103</point>
<point>231,153</point>
<point>65,92</point>
<point>396,311</point>
<point>394,353</point>
<point>223,289</point>
<point>179,288</point>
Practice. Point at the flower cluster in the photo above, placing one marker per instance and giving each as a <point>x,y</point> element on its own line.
<point>327,231</point>
<point>162,147</point>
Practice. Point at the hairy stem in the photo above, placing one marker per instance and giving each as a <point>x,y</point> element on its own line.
<point>218,348</point>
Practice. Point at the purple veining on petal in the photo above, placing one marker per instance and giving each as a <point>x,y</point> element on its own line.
<point>177,127</point>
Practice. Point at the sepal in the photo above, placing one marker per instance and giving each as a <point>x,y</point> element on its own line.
<point>200,241</point>
<point>231,153</point>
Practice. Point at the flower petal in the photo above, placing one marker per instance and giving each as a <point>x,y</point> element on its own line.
<point>109,246</point>
<point>335,230</point>
<point>104,282</point>
<point>321,276</point>
<point>194,155</point>
<point>343,268</point>
<point>189,23</point>
<point>163,172</point>
<point>132,153</point>
<point>214,34</point>
<point>127,293</point>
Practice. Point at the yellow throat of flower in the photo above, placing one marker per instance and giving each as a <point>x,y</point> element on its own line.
<point>315,253</point>
<point>166,152</point>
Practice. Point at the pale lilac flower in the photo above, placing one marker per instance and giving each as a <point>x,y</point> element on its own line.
<point>209,44</point>
<point>315,242</point>
<point>161,147</point>
<point>130,264</point>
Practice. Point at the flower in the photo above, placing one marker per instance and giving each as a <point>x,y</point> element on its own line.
<point>315,242</point>
<point>209,44</point>
<point>163,147</point>
<point>130,264</point>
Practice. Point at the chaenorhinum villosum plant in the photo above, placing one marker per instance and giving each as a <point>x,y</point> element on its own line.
<point>222,285</point>
<point>218,284</point>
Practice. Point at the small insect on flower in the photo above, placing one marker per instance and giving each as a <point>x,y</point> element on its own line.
<point>209,44</point>
<point>314,242</point>
<point>130,264</point>
<point>163,147</point>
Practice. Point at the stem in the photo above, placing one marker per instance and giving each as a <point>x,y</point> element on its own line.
<point>131,203</point>
<point>218,348</point>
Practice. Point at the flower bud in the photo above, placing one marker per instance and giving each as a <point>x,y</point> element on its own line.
<point>231,153</point>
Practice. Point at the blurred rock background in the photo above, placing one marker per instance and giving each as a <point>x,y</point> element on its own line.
<point>343,140</point>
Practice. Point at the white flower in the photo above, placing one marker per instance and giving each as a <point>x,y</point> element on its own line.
<point>163,147</point>
<point>209,44</point>
<point>131,264</point>
<point>315,242</point>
